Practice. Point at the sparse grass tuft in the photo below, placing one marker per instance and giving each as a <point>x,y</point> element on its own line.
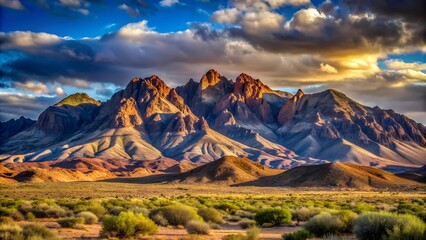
<point>298,235</point>
<point>89,217</point>
<point>70,222</point>
<point>196,227</point>
<point>210,215</point>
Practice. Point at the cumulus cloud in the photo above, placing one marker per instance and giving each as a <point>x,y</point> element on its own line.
<point>229,15</point>
<point>20,39</point>
<point>35,87</point>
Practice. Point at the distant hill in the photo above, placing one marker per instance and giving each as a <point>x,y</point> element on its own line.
<point>38,175</point>
<point>229,169</point>
<point>418,175</point>
<point>226,170</point>
<point>335,175</point>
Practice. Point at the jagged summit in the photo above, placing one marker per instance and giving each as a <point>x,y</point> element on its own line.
<point>211,78</point>
<point>299,93</point>
<point>249,87</point>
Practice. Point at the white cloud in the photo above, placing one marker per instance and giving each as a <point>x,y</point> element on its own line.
<point>324,67</point>
<point>135,30</point>
<point>229,15</point>
<point>19,39</point>
<point>397,64</point>
<point>279,3</point>
<point>14,4</point>
<point>168,3</point>
<point>35,87</point>
<point>259,22</point>
<point>308,21</point>
<point>59,91</point>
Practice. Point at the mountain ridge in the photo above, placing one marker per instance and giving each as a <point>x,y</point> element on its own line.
<point>215,117</point>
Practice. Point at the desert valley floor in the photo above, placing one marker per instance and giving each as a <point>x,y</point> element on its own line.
<point>136,193</point>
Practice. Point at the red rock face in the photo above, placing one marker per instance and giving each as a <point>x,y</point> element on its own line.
<point>289,109</point>
<point>128,115</point>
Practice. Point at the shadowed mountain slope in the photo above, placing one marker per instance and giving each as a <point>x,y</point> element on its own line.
<point>230,170</point>
<point>336,175</point>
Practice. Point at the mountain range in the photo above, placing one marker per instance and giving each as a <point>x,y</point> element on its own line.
<point>203,121</point>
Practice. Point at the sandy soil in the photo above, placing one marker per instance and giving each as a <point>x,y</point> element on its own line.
<point>93,231</point>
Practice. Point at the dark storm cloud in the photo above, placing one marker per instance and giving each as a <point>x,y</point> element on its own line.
<point>205,32</point>
<point>14,106</point>
<point>410,10</point>
<point>329,35</point>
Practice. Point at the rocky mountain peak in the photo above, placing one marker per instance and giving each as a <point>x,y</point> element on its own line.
<point>210,78</point>
<point>249,87</point>
<point>77,99</point>
<point>69,115</point>
<point>299,93</point>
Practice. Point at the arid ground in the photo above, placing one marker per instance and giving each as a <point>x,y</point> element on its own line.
<point>113,197</point>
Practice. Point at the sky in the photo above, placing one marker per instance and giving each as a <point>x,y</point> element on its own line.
<point>373,51</point>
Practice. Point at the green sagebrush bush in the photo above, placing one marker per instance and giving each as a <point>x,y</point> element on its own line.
<point>303,214</point>
<point>227,207</point>
<point>210,215</point>
<point>13,231</point>
<point>70,222</point>
<point>10,231</point>
<point>348,218</point>
<point>251,234</point>
<point>35,231</point>
<point>174,215</point>
<point>298,235</point>
<point>128,224</point>
<point>49,211</point>
<point>246,223</point>
<point>196,227</point>
<point>89,217</point>
<point>323,224</point>
<point>272,217</point>
<point>383,225</point>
